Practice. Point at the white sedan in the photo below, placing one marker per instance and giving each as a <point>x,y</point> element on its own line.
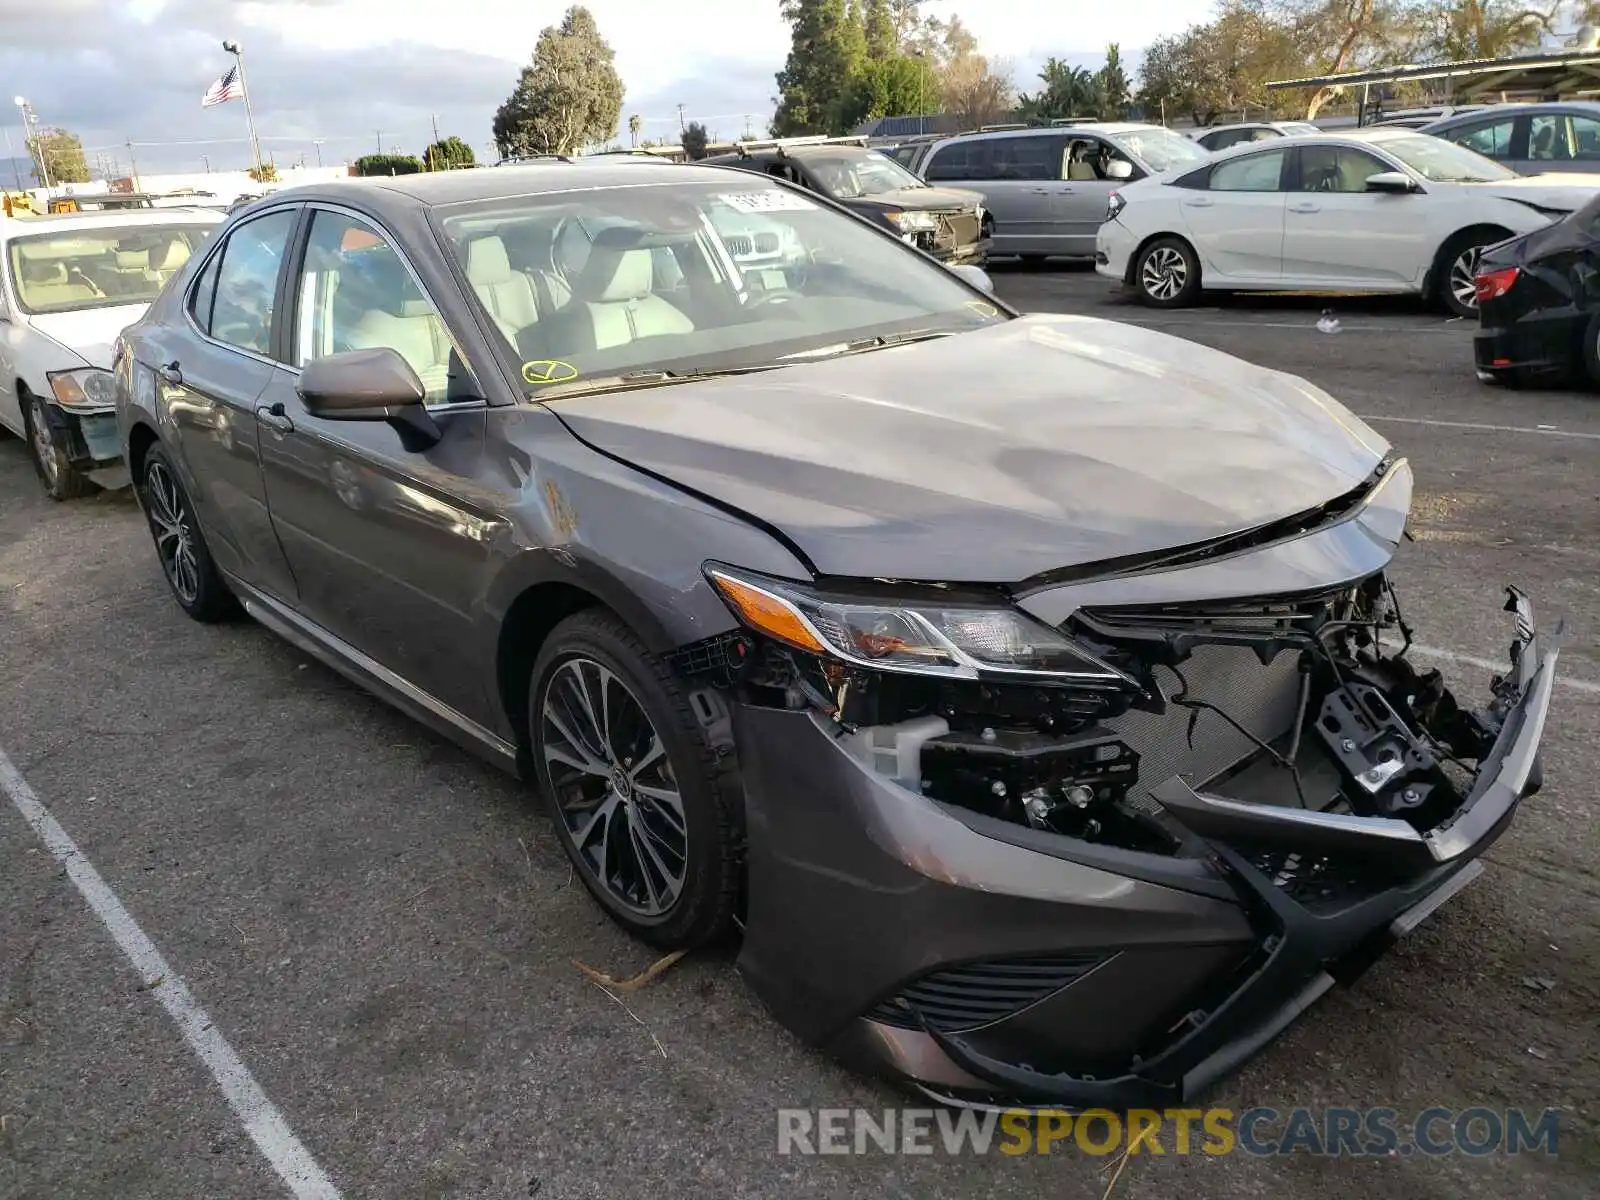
<point>1376,210</point>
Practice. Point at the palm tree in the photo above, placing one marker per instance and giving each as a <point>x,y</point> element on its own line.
<point>635,124</point>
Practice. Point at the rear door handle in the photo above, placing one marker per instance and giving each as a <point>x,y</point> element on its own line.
<point>1305,208</point>
<point>169,374</point>
<point>275,416</point>
<point>1199,202</point>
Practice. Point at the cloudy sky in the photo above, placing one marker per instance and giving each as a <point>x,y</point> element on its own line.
<point>348,71</point>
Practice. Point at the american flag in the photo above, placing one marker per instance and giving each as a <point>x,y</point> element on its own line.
<point>225,89</point>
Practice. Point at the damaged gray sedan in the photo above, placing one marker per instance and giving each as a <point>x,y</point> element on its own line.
<point>1029,693</point>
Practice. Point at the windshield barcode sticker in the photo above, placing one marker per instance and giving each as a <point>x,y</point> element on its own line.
<point>766,201</point>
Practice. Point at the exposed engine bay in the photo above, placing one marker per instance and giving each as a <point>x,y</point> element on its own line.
<point>1305,702</point>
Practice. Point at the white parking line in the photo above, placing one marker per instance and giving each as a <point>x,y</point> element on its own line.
<point>1541,430</point>
<point>1468,660</point>
<point>261,1118</point>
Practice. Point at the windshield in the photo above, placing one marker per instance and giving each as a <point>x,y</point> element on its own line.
<point>1161,149</point>
<point>1445,162</point>
<point>97,268</point>
<point>692,277</point>
<point>847,176</point>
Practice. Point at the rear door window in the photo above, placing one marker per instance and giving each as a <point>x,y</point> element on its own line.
<point>960,160</point>
<point>247,281</point>
<point>1261,172</point>
<point>1025,158</point>
<point>1491,139</point>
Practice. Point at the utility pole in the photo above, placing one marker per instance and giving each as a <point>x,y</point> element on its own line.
<point>317,144</point>
<point>380,141</point>
<point>234,49</point>
<point>433,148</point>
<point>682,128</point>
<point>134,164</point>
<point>206,160</point>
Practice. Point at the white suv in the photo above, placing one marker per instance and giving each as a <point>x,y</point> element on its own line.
<point>69,284</point>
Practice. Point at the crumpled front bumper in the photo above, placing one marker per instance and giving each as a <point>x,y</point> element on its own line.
<point>990,962</point>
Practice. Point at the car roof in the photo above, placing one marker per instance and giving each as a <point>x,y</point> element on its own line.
<point>121,218</point>
<point>437,188</point>
<point>1110,128</point>
<point>1587,108</point>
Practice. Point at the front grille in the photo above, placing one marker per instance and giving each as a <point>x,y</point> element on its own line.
<point>1259,613</point>
<point>1199,743</point>
<point>972,995</point>
<point>739,245</point>
<point>766,243</point>
<point>1319,882</point>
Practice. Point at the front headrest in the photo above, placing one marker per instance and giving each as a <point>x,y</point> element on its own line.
<point>44,272</point>
<point>487,262</point>
<point>133,260</point>
<point>616,276</point>
<point>176,255</point>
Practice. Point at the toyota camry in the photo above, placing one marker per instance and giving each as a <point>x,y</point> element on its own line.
<point>1029,694</point>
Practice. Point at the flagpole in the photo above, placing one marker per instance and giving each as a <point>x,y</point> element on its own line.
<point>234,49</point>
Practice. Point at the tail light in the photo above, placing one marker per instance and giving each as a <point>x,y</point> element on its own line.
<point>1494,284</point>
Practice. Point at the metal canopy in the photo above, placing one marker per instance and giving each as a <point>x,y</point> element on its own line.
<point>1559,72</point>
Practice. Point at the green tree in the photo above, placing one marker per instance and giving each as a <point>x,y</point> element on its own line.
<point>448,153</point>
<point>388,164</point>
<point>266,173</point>
<point>883,38</point>
<point>1112,82</point>
<point>568,97</point>
<point>62,153</point>
<point>817,88</point>
<point>1068,92</point>
<point>1222,67</point>
<point>1451,30</point>
<point>695,139</point>
<point>635,124</point>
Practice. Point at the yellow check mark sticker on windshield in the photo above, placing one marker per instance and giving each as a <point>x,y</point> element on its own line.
<point>548,370</point>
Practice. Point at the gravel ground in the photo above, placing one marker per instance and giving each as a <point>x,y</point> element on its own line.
<point>385,930</point>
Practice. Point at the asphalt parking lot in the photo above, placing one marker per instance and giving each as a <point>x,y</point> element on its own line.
<point>384,931</point>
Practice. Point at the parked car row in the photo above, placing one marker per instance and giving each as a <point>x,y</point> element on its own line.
<point>958,660</point>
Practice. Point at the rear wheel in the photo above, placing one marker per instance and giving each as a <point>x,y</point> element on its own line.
<point>61,481</point>
<point>1167,273</point>
<point>639,797</point>
<point>196,584</point>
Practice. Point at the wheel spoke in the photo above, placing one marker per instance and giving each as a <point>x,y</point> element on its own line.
<point>649,757</point>
<point>599,816</point>
<point>666,802</point>
<point>575,754</point>
<point>644,860</point>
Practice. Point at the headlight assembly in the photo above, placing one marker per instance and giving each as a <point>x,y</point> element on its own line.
<point>913,222</point>
<point>87,389</point>
<point>919,637</point>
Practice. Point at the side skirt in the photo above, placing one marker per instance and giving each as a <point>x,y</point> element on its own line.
<point>376,678</point>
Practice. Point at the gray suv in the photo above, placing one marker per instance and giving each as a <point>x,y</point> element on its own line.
<point>1047,188</point>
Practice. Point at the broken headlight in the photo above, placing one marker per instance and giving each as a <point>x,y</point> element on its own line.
<point>921,637</point>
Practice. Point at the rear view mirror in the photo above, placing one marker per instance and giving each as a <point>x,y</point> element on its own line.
<point>976,276</point>
<point>1390,181</point>
<point>369,385</point>
<point>1119,168</point>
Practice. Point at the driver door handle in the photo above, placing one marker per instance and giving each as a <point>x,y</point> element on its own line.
<point>1305,206</point>
<point>275,416</point>
<point>1199,202</point>
<point>169,374</point>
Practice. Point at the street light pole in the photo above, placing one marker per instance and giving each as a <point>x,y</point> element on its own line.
<point>234,49</point>
<point>30,134</point>
<point>133,165</point>
<point>317,143</point>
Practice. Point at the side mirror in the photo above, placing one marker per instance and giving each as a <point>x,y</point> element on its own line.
<point>374,384</point>
<point>976,276</point>
<point>1395,182</point>
<point>1119,168</point>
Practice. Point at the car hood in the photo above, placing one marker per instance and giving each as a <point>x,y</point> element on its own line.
<point>993,456</point>
<point>925,198</point>
<point>1567,191</point>
<point>89,332</point>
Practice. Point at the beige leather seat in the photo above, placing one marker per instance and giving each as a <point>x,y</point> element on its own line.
<point>416,333</point>
<point>45,286</point>
<point>508,295</point>
<point>615,293</point>
<point>172,259</point>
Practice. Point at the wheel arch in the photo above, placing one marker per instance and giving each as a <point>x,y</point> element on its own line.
<point>1496,231</point>
<point>140,438</point>
<point>1148,241</point>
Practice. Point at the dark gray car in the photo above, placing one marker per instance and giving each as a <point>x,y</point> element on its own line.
<point>1029,691</point>
<point>1531,139</point>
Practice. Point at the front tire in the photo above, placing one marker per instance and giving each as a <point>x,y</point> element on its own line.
<point>1167,274</point>
<point>639,797</point>
<point>1456,272</point>
<point>56,473</point>
<point>186,561</point>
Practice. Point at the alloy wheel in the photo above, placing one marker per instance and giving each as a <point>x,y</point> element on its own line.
<point>614,787</point>
<point>1164,273</point>
<point>173,530</point>
<point>44,446</point>
<point>1463,277</point>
